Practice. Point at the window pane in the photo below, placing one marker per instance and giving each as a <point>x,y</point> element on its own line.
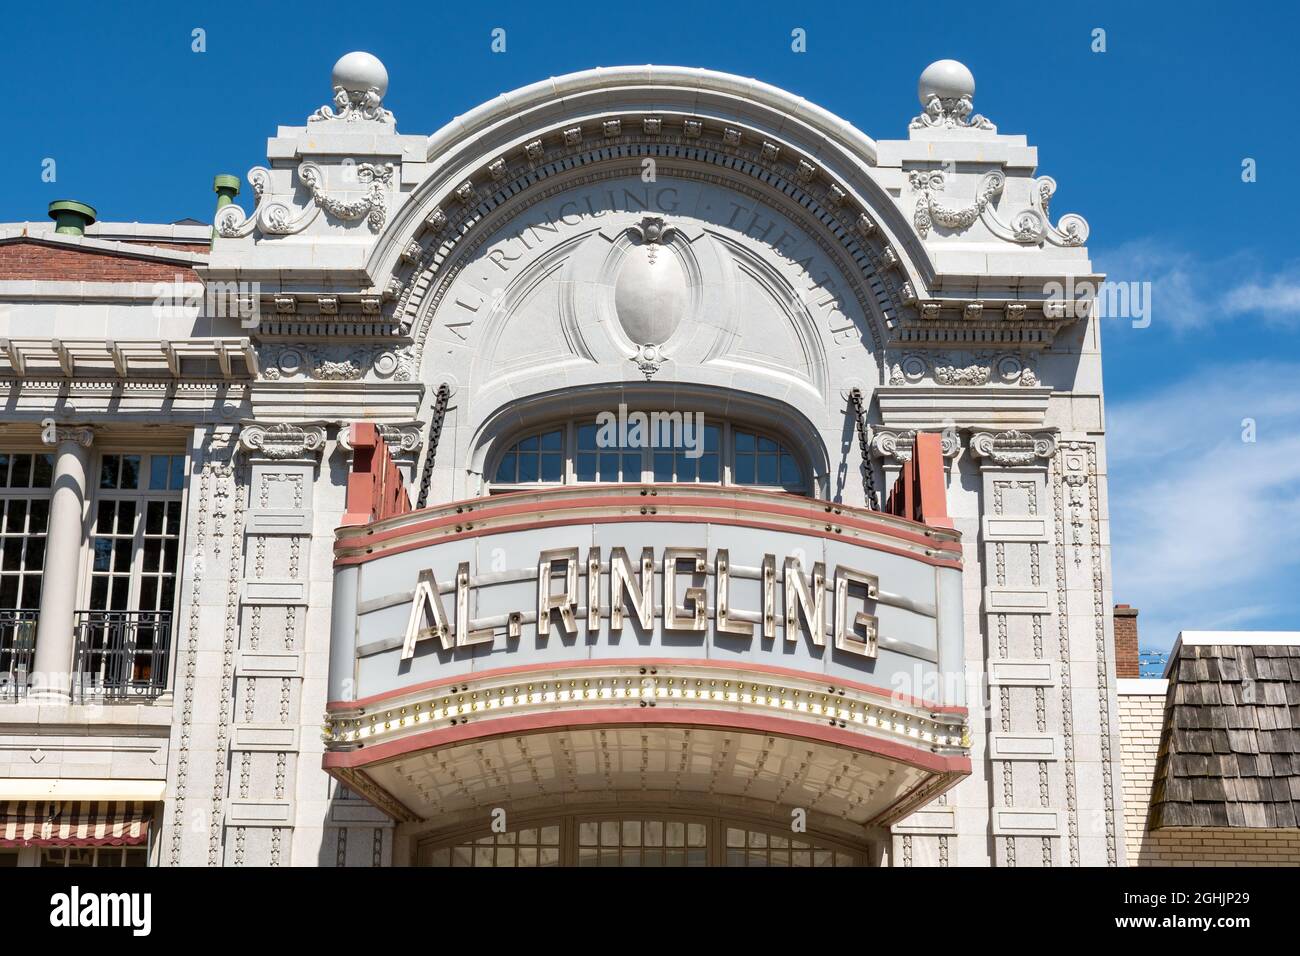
<point>31,591</point>
<point>528,467</point>
<point>35,554</point>
<point>17,520</point>
<point>104,523</point>
<point>130,472</point>
<point>103,554</point>
<point>711,437</point>
<point>39,517</point>
<point>152,554</point>
<point>744,441</point>
<point>790,471</point>
<point>506,470</point>
<point>126,517</point>
<point>98,593</point>
<point>21,475</point>
<point>122,555</point>
<point>766,444</point>
<point>44,471</point>
<point>153,517</point>
<point>4,471</point>
<point>586,467</point>
<point>9,591</point>
<point>12,559</point>
<point>158,472</point>
<point>177,480</point>
<point>744,470</point>
<point>663,466</point>
<point>609,466</point>
<point>121,590</point>
<point>631,467</point>
<point>148,593</point>
<point>767,473</point>
<point>553,441</point>
<point>173,517</point>
<point>586,437</point>
<point>552,466</point>
<point>108,466</point>
<point>530,443</point>
<point>686,468</point>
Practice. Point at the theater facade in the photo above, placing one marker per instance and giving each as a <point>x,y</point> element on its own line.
<point>646,468</point>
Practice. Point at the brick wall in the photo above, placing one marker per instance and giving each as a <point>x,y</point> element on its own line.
<point>1141,717</point>
<point>33,260</point>
<point>1126,642</point>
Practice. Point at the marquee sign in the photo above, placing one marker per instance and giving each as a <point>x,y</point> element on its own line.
<point>722,576</point>
<point>634,591</point>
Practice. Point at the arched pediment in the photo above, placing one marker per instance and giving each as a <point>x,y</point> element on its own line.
<point>523,148</point>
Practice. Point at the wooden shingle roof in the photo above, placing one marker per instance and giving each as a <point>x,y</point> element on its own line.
<point>1230,748</point>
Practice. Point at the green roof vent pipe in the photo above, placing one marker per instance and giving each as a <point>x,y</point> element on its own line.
<point>71,217</point>
<point>226,187</point>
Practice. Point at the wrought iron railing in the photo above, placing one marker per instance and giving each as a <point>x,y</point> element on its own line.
<point>17,648</point>
<point>121,655</point>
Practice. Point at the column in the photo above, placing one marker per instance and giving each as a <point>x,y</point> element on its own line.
<point>55,634</point>
<point>1025,755</point>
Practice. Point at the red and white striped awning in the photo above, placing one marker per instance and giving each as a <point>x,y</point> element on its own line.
<point>83,823</point>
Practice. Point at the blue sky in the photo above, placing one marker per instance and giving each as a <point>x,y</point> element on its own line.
<point>1145,140</point>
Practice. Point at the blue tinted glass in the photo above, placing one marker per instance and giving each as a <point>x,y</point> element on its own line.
<point>767,469</point>
<point>632,467</point>
<point>178,473</point>
<point>530,443</point>
<point>744,469</point>
<point>766,444</point>
<point>552,466</point>
<point>663,466</point>
<point>609,466</point>
<point>711,437</point>
<point>158,465</point>
<point>586,468</point>
<point>553,441</point>
<point>709,468</point>
<point>506,470</point>
<point>744,441</point>
<point>527,468</point>
<point>587,437</point>
<point>790,471</point>
<point>686,468</point>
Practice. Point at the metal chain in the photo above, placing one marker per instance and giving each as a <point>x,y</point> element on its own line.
<point>435,432</point>
<point>868,473</point>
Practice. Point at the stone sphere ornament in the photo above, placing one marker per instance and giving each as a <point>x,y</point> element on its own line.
<point>359,82</point>
<point>359,73</point>
<point>946,79</point>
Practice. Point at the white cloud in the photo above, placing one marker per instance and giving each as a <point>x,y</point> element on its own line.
<point>1200,519</point>
<point>1190,291</point>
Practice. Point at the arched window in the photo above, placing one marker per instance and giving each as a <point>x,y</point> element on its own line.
<point>713,453</point>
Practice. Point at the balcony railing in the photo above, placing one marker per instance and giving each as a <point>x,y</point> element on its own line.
<point>17,648</point>
<point>121,655</point>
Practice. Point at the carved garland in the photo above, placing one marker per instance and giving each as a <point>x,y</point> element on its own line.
<point>279,217</point>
